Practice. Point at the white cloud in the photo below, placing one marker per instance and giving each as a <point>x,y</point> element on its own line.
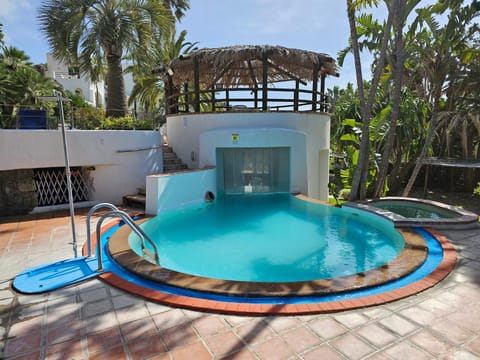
<point>12,10</point>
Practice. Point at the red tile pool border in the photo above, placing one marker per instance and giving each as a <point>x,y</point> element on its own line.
<point>443,269</point>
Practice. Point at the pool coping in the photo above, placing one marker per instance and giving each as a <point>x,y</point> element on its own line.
<point>240,308</point>
<point>235,308</point>
<point>465,220</point>
<point>412,256</point>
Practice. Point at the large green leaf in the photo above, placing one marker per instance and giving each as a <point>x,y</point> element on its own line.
<point>351,122</point>
<point>350,137</point>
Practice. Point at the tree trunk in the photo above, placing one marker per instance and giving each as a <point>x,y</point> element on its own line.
<point>426,144</point>
<point>354,193</point>
<point>397,176</point>
<point>116,98</point>
<point>360,177</point>
<point>467,147</point>
<point>398,9</point>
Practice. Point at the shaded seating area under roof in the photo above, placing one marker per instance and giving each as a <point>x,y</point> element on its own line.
<point>196,80</point>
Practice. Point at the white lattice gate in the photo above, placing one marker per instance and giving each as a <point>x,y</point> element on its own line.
<point>51,185</point>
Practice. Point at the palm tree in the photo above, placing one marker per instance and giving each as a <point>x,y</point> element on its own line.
<point>20,83</point>
<point>1,34</point>
<point>359,182</point>
<point>461,106</point>
<point>147,89</point>
<point>178,6</point>
<point>399,14</point>
<point>80,31</point>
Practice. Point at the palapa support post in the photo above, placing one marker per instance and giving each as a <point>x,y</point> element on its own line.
<point>316,69</point>
<point>196,84</point>
<point>323,98</point>
<point>212,95</point>
<point>264,80</point>
<point>295,95</point>
<point>186,97</point>
<point>169,99</point>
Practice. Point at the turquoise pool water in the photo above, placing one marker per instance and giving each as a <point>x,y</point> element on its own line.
<point>414,209</point>
<point>271,238</point>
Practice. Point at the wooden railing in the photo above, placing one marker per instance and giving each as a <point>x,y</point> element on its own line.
<point>248,99</point>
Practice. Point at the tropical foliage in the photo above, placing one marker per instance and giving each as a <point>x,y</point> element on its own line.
<point>421,98</point>
<point>424,101</point>
<point>88,32</point>
<point>98,37</point>
<point>21,84</point>
<point>148,90</point>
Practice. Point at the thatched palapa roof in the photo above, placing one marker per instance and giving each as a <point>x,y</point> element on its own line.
<point>244,66</point>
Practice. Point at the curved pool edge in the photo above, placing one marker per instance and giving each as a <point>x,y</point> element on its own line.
<point>237,308</point>
<point>411,258</point>
<point>465,220</point>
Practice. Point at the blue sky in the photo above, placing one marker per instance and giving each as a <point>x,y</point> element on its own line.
<point>315,25</point>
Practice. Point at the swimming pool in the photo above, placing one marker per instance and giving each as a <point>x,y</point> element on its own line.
<point>411,209</point>
<point>419,212</point>
<point>426,258</point>
<point>270,238</point>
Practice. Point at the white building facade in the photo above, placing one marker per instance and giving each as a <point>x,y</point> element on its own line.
<point>75,82</point>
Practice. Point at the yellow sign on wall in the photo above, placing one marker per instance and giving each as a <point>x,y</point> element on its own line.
<point>235,138</point>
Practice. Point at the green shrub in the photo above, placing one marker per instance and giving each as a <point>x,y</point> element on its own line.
<point>476,191</point>
<point>120,123</point>
<point>88,118</point>
<point>344,194</point>
<point>126,123</point>
<point>146,124</point>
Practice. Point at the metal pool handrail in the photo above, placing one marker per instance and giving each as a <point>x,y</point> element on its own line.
<point>89,215</point>
<point>129,221</point>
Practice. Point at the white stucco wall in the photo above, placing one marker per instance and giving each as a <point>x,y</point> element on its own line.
<point>118,170</point>
<point>173,191</point>
<point>307,134</point>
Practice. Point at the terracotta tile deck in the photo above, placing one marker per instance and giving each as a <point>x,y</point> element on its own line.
<point>94,320</point>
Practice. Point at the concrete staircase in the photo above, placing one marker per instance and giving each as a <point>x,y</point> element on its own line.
<point>171,162</point>
<point>136,200</point>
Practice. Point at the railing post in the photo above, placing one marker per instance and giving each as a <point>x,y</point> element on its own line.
<point>213,101</point>
<point>89,215</point>
<point>99,241</point>
<point>295,95</point>
<point>135,228</point>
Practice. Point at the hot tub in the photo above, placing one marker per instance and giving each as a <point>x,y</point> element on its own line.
<point>407,212</point>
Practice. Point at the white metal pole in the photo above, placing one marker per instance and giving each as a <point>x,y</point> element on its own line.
<point>69,178</point>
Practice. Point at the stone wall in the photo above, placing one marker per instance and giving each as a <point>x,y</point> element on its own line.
<point>17,192</point>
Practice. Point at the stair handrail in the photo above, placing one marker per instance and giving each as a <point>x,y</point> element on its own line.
<point>89,215</point>
<point>129,221</point>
